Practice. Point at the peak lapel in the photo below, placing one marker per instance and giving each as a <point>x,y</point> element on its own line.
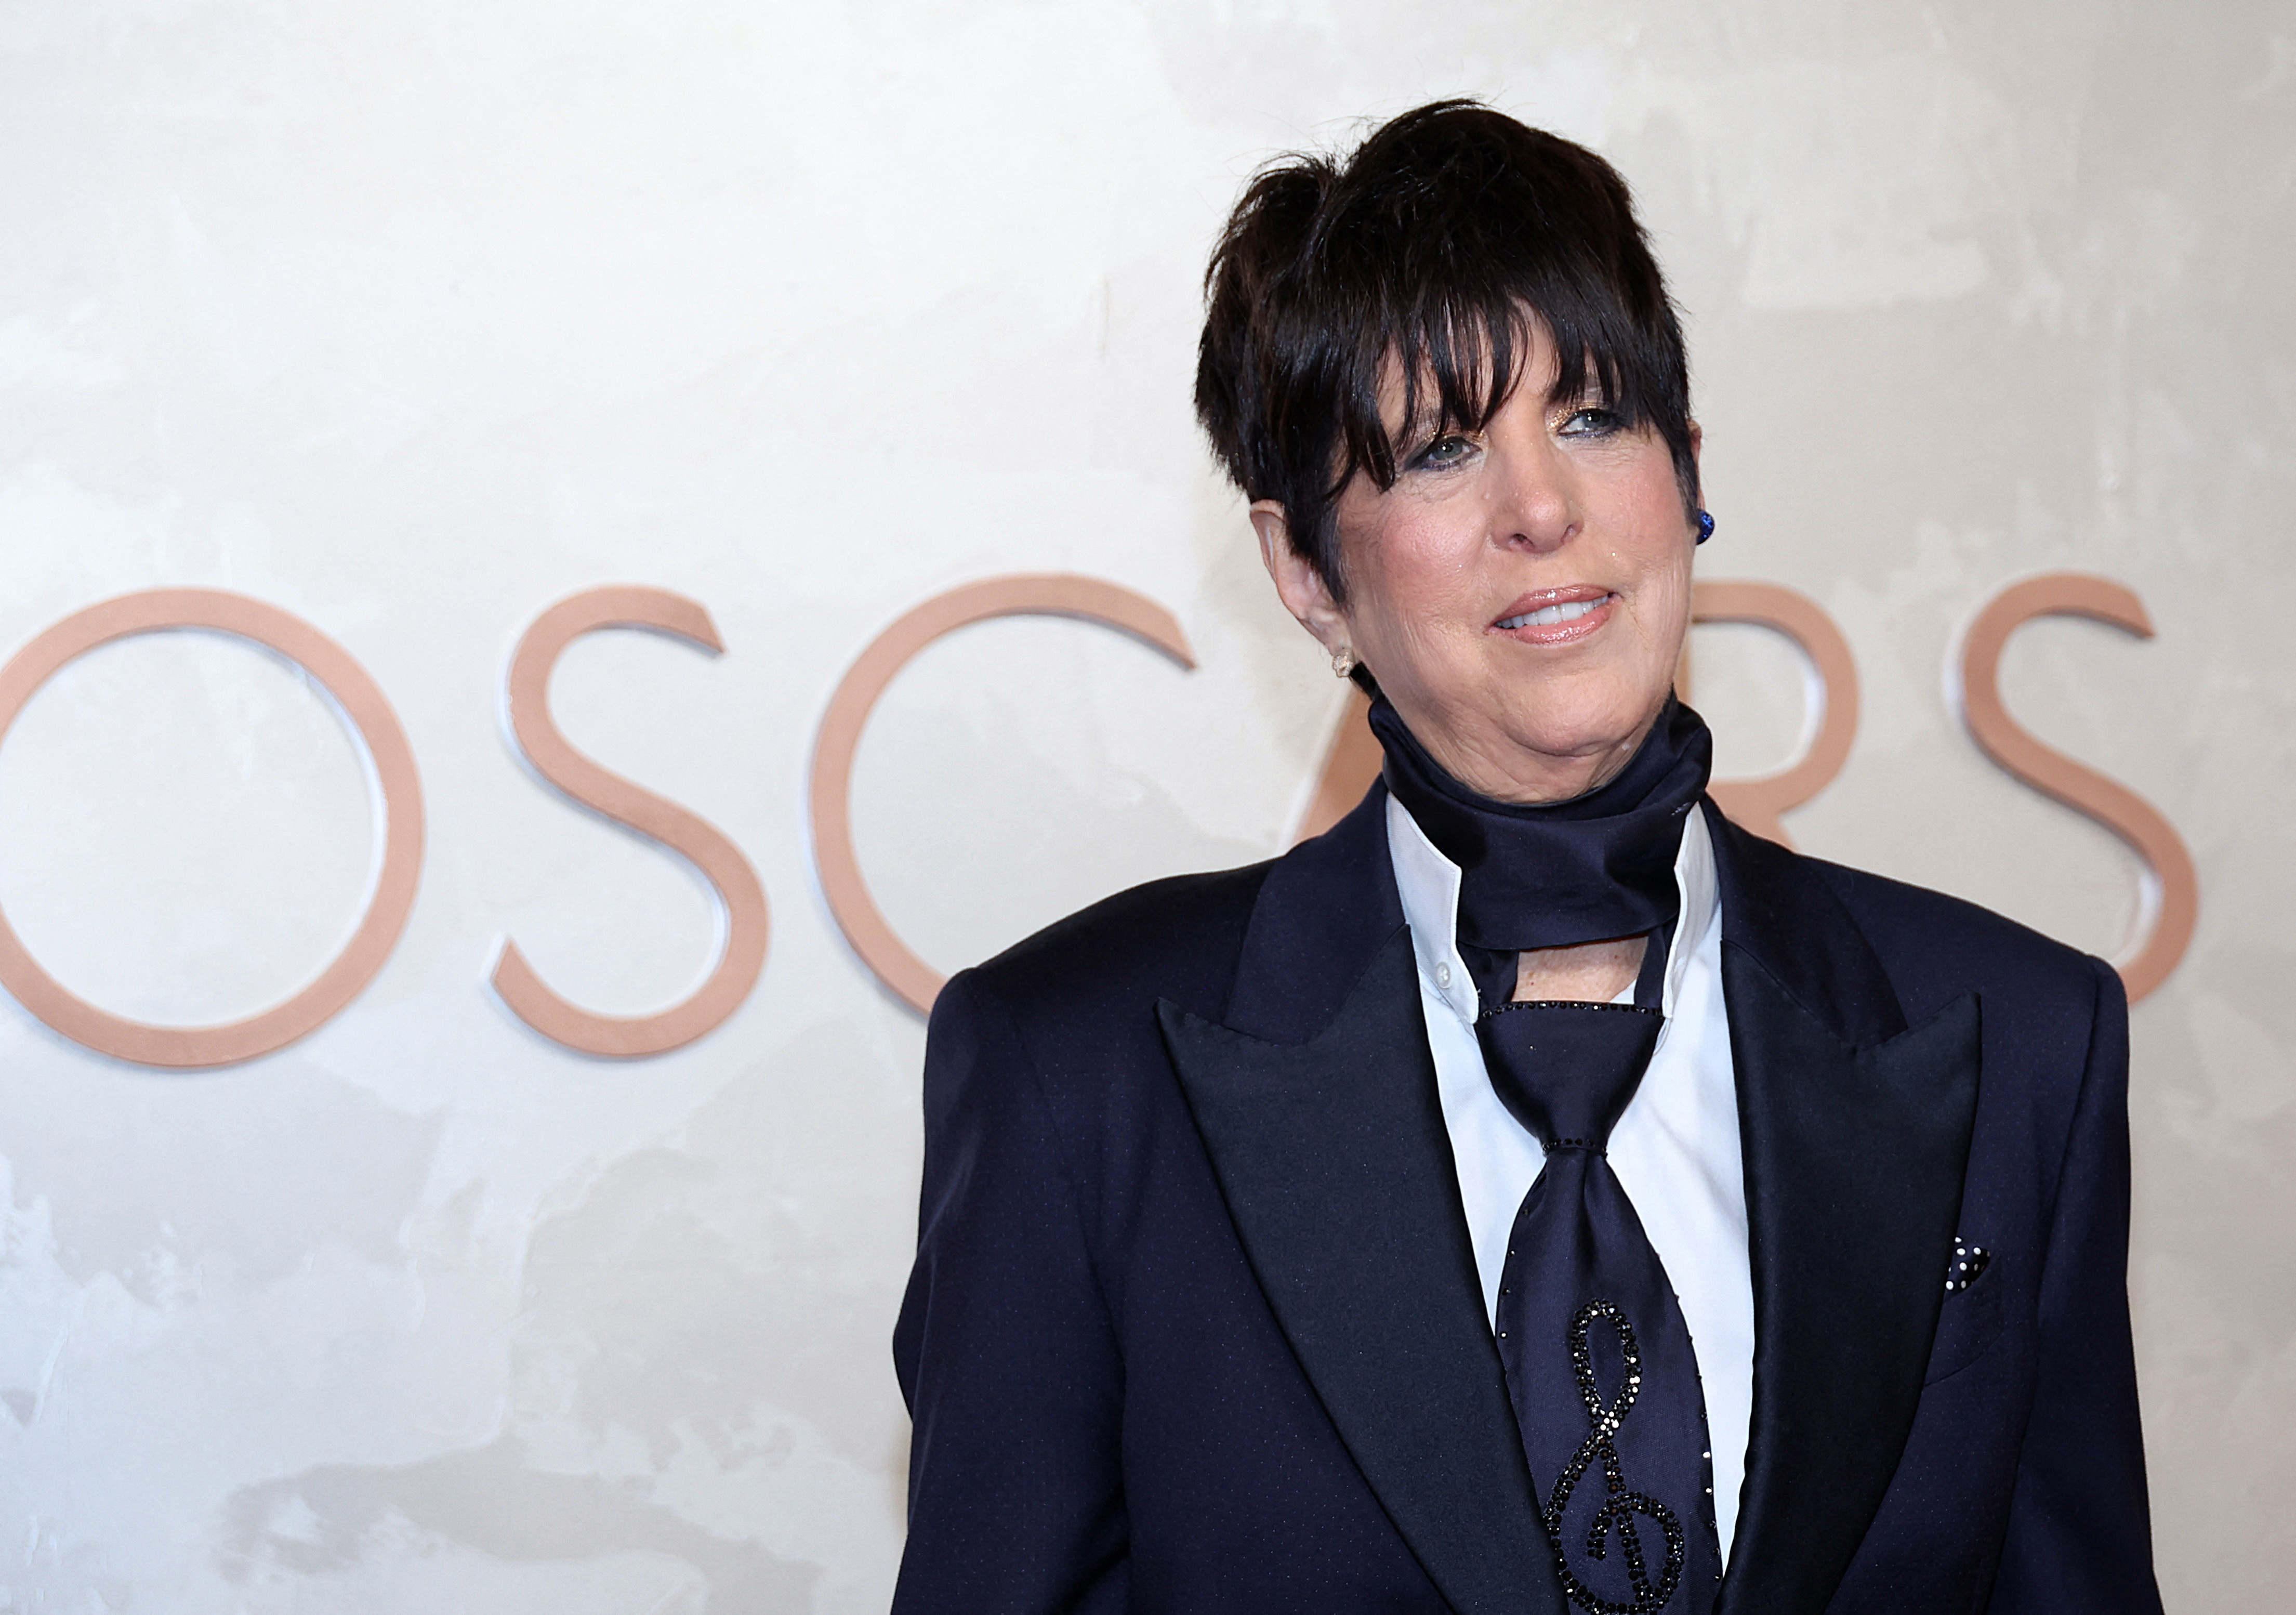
<point>1856,1134</point>
<point>1334,1158</point>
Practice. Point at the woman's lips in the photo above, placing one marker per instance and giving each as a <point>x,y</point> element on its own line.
<point>1556,616</point>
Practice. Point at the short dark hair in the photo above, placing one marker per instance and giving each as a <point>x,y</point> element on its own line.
<point>1431,245</point>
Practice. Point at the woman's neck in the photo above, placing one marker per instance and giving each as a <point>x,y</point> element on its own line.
<point>1505,770</point>
<point>1585,972</point>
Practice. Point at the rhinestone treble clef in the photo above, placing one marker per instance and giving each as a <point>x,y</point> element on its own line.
<point>1622,1503</point>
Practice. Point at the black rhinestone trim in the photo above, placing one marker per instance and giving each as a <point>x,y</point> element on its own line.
<point>1622,1504</point>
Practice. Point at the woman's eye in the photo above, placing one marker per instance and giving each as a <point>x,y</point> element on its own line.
<point>1591,423</point>
<point>1448,449</point>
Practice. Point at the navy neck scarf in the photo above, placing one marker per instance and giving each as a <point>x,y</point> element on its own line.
<point>1597,866</point>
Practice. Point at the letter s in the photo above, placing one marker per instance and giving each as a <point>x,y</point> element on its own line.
<point>2169,900</point>
<point>699,842</point>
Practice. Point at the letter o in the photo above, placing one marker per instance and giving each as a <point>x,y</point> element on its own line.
<point>190,1047</point>
<point>1024,595</point>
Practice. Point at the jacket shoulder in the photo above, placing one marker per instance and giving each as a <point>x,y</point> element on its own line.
<point>1934,946</point>
<point>1177,937</point>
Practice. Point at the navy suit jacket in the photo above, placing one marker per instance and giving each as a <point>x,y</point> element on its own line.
<point>1195,1325</point>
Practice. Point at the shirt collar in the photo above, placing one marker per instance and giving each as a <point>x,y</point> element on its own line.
<point>1427,883</point>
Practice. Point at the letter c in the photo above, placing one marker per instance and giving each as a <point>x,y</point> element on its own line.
<point>2169,899</point>
<point>190,1047</point>
<point>1024,595</point>
<point>691,836</point>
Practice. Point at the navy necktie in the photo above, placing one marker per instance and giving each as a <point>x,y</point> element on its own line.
<point>1598,1359</point>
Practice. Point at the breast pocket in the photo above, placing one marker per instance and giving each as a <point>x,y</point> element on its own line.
<point>1970,1321</point>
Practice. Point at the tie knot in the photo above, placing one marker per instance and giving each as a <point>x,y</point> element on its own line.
<point>1567,1071</point>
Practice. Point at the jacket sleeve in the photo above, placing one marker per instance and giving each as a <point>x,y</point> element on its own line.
<point>1005,1349</point>
<point>2080,1532</point>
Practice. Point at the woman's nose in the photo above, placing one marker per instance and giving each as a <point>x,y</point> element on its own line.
<point>1536,505</point>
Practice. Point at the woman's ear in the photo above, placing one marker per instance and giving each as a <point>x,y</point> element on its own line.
<point>1300,586</point>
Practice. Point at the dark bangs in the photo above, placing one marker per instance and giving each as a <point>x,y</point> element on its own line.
<point>1427,254</point>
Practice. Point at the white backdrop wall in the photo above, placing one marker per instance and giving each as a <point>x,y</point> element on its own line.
<point>412,319</point>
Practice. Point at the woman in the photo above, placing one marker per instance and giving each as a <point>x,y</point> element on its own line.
<point>1536,1193</point>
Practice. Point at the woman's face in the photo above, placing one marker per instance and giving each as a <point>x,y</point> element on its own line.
<point>1521,593</point>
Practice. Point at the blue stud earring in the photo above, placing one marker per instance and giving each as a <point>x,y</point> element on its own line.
<point>1705,526</point>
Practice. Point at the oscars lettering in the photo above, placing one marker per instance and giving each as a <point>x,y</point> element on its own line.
<point>2169,900</point>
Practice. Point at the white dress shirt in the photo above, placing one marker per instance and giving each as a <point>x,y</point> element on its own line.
<point>1676,1149</point>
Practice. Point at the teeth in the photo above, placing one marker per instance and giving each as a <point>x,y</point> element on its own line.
<point>1547,615</point>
